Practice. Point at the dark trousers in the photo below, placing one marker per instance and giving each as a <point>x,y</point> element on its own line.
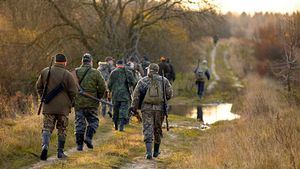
<point>200,86</point>
<point>85,119</point>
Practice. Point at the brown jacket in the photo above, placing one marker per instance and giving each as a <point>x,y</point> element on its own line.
<point>62,103</point>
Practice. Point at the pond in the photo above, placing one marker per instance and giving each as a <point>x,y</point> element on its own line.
<point>207,113</point>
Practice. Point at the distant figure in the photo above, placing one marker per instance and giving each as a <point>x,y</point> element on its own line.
<point>136,69</point>
<point>145,63</point>
<point>105,69</point>
<point>164,67</point>
<point>201,73</point>
<point>57,110</point>
<point>172,75</point>
<point>215,39</point>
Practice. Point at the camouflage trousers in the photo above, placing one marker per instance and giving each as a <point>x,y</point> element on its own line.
<point>86,118</point>
<point>152,125</point>
<point>59,121</point>
<point>121,109</point>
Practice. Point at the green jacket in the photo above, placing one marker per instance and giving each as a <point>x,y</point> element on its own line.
<point>118,85</point>
<point>93,83</point>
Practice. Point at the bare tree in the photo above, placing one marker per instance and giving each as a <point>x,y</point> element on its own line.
<point>116,25</point>
<point>286,67</point>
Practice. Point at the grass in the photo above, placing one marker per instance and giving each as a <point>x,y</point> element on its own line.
<point>267,135</point>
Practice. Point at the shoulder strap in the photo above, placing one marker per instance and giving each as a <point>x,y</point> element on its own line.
<point>85,73</point>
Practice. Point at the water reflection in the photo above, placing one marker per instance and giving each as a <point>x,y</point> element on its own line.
<point>206,113</point>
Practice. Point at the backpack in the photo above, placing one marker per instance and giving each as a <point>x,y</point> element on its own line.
<point>200,74</point>
<point>154,94</point>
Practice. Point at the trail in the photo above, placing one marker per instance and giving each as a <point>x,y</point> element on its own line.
<point>213,56</point>
<point>53,159</point>
<point>236,81</point>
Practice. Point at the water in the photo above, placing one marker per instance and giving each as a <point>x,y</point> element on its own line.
<point>208,113</point>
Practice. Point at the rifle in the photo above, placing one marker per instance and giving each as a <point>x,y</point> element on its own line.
<point>85,94</point>
<point>165,106</point>
<point>45,87</point>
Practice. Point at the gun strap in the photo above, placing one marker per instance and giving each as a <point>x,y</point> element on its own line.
<point>84,75</point>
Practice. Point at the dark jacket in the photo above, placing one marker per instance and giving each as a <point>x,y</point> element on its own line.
<point>164,67</point>
<point>62,103</point>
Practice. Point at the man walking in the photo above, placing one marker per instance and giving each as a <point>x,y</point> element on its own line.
<point>105,69</point>
<point>86,118</point>
<point>57,103</point>
<point>119,84</point>
<point>201,72</point>
<point>149,97</point>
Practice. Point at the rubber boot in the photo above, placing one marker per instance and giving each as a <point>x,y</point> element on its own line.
<point>122,124</point>
<point>156,150</point>
<point>88,138</point>
<point>79,141</point>
<point>45,145</point>
<point>148,151</point>
<point>60,147</point>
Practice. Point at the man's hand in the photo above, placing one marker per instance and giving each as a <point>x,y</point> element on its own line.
<point>133,111</point>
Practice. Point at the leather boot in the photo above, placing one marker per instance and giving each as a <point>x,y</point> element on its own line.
<point>88,137</point>
<point>148,151</point>
<point>79,141</point>
<point>156,150</point>
<point>60,147</point>
<point>45,145</point>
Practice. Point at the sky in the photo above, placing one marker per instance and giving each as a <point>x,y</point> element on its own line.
<point>252,6</point>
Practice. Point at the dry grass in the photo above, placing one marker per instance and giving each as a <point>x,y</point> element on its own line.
<point>267,137</point>
<point>20,140</point>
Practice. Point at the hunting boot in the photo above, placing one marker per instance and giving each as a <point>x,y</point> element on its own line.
<point>45,145</point>
<point>122,124</point>
<point>156,150</point>
<point>60,147</point>
<point>79,141</point>
<point>148,151</point>
<point>88,137</point>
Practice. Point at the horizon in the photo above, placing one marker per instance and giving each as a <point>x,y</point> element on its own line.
<point>253,6</point>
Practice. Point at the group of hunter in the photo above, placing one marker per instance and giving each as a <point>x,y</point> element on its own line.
<point>121,89</point>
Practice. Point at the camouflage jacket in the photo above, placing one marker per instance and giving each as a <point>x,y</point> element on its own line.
<point>105,70</point>
<point>141,89</point>
<point>118,84</point>
<point>93,83</point>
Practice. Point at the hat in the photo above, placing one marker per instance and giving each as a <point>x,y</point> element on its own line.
<point>153,67</point>
<point>87,57</point>
<point>60,58</point>
<point>120,62</point>
<point>204,61</point>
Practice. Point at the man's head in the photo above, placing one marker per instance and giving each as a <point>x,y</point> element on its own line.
<point>152,68</point>
<point>109,60</point>
<point>87,59</point>
<point>120,63</point>
<point>204,62</point>
<point>61,59</point>
<point>162,58</point>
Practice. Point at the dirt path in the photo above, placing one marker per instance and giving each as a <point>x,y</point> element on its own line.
<point>213,56</point>
<point>236,81</point>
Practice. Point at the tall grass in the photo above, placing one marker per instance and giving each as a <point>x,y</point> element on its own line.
<point>267,136</point>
